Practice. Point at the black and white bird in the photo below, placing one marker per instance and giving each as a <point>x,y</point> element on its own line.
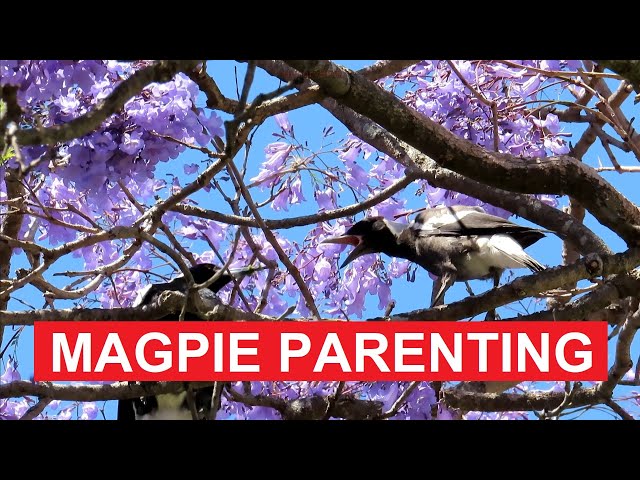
<point>175,406</point>
<point>456,243</point>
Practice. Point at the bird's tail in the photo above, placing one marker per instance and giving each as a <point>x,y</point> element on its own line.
<point>533,264</point>
<point>521,257</point>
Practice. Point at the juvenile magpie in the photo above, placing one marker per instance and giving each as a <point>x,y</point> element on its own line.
<point>175,406</point>
<point>458,243</point>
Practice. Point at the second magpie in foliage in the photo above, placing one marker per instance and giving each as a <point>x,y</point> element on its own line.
<point>175,406</point>
<point>456,243</point>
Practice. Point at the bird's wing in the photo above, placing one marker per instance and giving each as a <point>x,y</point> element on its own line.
<point>461,221</point>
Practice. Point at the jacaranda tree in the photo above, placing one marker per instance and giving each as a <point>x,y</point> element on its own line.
<point>97,200</point>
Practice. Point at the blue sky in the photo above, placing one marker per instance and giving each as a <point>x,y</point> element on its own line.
<point>308,123</point>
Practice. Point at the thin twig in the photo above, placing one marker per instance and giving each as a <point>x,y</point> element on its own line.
<point>218,387</point>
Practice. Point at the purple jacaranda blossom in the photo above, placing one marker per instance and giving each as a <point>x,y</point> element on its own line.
<point>282,119</point>
<point>276,154</point>
<point>213,124</point>
<point>326,198</point>
<point>527,88</point>
<point>191,168</point>
<point>282,199</point>
<point>11,409</point>
<point>557,146</point>
<point>142,258</point>
<point>276,305</point>
<point>357,282</point>
<point>65,414</point>
<point>551,123</point>
<point>550,64</point>
<point>322,269</point>
<point>386,392</point>
<point>89,411</point>
<point>419,402</point>
<point>262,413</point>
<point>389,208</point>
<point>189,231</point>
<point>212,230</point>
<point>444,413</point>
<point>386,170</point>
<point>356,146</point>
<point>132,143</point>
<point>356,176</point>
<point>435,195</point>
<point>296,195</point>
<point>506,72</point>
<point>69,104</point>
<point>290,193</point>
<point>10,374</point>
<point>398,267</point>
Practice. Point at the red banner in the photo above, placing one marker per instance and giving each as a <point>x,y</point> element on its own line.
<point>367,351</point>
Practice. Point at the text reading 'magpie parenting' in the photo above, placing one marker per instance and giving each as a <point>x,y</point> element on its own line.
<point>374,351</point>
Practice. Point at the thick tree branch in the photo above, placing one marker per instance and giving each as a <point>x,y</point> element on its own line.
<point>11,224</point>
<point>601,304</point>
<point>169,302</point>
<point>215,99</point>
<point>506,402</point>
<point>90,393</point>
<point>526,286</point>
<point>553,175</point>
<point>629,69</point>
<point>314,407</point>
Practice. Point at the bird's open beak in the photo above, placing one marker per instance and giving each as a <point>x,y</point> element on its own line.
<point>354,240</point>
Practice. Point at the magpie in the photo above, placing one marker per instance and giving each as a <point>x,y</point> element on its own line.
<point>175,406</point>
<point>457,243</point>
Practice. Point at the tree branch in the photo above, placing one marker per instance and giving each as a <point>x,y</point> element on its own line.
<point>525,286</point>
<point>629,69</point>
<point>304,219</point>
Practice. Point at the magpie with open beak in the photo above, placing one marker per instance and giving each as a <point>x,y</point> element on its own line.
<point>458,243</point>
<point>175,406</point>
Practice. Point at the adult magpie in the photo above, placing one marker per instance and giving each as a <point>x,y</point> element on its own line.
<point>457,243</point>
<point>175,406</point>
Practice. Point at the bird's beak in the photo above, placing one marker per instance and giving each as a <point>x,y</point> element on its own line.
<point>354,240</point>
<point>243,271</point>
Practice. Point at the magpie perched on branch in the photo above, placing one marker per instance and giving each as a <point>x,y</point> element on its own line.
<point>175,406</point>
<point>458,243</point>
